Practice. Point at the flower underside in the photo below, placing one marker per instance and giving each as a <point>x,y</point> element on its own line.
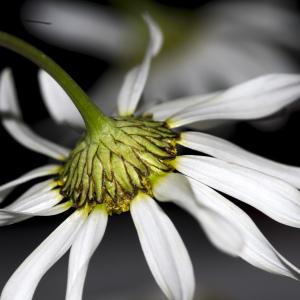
<point>124,159</point>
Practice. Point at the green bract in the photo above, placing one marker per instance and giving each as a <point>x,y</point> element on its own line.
<point>117,163</point>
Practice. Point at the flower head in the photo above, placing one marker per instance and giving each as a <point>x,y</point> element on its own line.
<point>122,163</point>
<point>114,168</point>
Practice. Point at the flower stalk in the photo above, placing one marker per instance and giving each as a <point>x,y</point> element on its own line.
<point>93,117</point>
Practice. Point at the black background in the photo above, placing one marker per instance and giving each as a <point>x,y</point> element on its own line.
<point>118,269</point>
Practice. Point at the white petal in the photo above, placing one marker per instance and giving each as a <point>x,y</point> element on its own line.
<point>35,173</point>
<point>95,29</point>
<point>57,209</point>
<point>229,152</point>
<point>220,231</point>
<point>241,46</point>
<point>82,250</point>
<point>23,282</point>
<point>253,99</point>
<point>40,200</point>
<point>12,121</point>
<point>8,217</point>
<point>30,140</point>
<point>274,21</point>
<point>37,203</point>
<point>135,79</point>
<point>163,248</point>
<point>35,195</point>
<point>163,111</point>
<point>274,197</point>
<point>229,229</point>
<point>256,249</point>
<point>59,104</point>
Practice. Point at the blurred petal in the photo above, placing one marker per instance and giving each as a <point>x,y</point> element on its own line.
<point>23,282</point>
<point>80,26</point>
<point>220,231</point>
<point>256,249</point>
<point>12,121</point>
<point>241,38</point>
<point>244,40</point>
<point>253,99</point>
<point>274,21</point>
<point>274,197</point>
<point>59,104</point>
<point>82,250</point>
<point>229,152</point>
<point>163,248</point>
<point>35,173</point>
<point>135,79</point>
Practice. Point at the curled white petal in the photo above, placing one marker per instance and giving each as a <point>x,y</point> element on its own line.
<point>23,282</point>
<point>35,173</point>
<point>256,249</point>
<point>12,121</point>
<point>163,248</point>
<point>229,152</point>
<point>229,229</point>
<point>272,196</point>
<point>136,78</point>
<point>82,250</point>
<point>253,99</point>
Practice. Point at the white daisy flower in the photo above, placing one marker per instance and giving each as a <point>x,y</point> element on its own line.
<point>124,162</point>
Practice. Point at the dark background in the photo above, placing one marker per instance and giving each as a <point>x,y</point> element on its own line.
<point>118,269</point>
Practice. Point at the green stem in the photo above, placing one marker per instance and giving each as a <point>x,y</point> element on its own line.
<point>92,115</point>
